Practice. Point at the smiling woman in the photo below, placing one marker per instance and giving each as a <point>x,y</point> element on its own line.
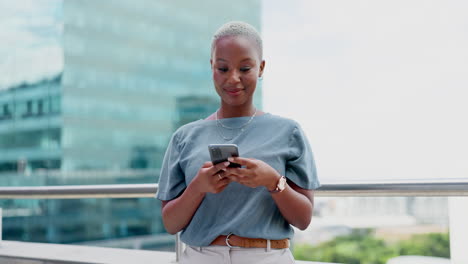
<point>236,62</point>
<point>242,214</point>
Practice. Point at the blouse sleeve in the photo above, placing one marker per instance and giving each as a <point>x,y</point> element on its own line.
<point>172,178</point>
<point>300,166</point>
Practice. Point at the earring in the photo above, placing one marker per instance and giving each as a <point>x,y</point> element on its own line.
<point>260,78</point>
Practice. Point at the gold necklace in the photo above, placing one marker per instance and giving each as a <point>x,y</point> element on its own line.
<point>241,128</point>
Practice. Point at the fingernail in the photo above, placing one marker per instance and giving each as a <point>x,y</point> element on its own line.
<point>231,159</point>
<point>226,163</point>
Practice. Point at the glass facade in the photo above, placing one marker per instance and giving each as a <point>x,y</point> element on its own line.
<point>30,127</point>
<point>132,73</point>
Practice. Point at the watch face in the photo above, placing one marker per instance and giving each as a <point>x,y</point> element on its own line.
<point>282,183</point>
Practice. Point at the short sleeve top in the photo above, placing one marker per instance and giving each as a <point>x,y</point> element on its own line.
<point>238,209</point>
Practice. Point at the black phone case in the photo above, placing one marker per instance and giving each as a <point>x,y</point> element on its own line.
<point>221,152</point>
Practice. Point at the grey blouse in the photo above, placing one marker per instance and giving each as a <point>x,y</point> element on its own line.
<point>241,210</point>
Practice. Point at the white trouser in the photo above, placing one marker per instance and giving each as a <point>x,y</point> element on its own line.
<point>226,255</point>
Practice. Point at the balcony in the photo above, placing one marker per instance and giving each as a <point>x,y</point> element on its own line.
<point>26,252</point>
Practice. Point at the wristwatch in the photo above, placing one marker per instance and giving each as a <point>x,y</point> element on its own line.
<point>280,186</point>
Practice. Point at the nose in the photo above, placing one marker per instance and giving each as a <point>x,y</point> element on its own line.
<point>234,77</point>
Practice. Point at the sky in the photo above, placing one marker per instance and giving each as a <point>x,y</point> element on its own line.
<point>31,44</point>
<point>379,87</point>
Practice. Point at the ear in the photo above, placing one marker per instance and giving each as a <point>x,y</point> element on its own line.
<point>262,67</point>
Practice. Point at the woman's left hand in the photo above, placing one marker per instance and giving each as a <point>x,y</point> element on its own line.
<point>254,174</point>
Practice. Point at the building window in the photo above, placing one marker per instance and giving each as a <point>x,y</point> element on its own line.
<point>29,109</point>
<point>55,104</point>
<point>40,107</point>
<point>6,113</point>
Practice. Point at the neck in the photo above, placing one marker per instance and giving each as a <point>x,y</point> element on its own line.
<point>235,111</point>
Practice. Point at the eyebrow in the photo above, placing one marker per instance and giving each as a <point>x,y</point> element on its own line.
<point>220,59</point>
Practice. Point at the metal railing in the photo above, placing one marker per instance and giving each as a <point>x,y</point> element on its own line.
<point>446,187</point>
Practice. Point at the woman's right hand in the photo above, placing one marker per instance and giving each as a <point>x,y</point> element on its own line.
<point>208,180</point>
<point>178,212</point>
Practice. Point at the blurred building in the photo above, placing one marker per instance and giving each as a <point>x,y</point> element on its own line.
<point>30,126</point>
<point>391,218</point>
<point>133,72</point>
<point>387,211</point>
<point>192,107</point>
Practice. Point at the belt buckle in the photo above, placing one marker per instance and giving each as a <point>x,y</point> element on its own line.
<point>227,241</point>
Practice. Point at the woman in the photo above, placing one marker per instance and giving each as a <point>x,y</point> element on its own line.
<point>238,215</point>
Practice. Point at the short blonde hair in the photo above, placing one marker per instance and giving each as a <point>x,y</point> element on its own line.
<point>238,28</point>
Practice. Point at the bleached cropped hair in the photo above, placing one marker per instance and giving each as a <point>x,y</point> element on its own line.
<point>238,28</point>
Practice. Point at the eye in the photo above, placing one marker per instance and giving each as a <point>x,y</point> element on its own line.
<point>245,69</point>
<point>223,69</point>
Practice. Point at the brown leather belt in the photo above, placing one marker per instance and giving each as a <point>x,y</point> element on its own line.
<point>237,241</point>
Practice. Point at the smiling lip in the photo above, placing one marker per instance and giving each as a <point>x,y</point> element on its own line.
<point>234,91</point>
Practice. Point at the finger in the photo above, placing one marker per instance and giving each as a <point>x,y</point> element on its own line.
<point>230,176</point>
<point>224,181</point>
<point>237,171</point>
<point>237,178</point>
<point>241,174</point>
<point>216,178</point>
<point>223,174</point>
<point>221,188</point>
<point>207,164</point>
<point>242,161</point>
<point>244,181</point>
<point>220,166</point>
<point>233,178</point>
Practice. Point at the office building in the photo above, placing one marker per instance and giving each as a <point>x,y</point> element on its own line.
<point>133,72</point>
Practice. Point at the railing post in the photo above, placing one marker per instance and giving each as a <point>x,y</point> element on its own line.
<point>458,219</point>
<point>179,247</point>
<point>1,226</point>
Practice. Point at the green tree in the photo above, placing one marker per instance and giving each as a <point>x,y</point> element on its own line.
<point>434,244</point>
<point>362,247</point>
<point>359,247</point>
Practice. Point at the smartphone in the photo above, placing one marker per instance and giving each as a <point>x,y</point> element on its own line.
<point>221,152</point>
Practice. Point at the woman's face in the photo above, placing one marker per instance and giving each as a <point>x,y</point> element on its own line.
<point>236,66</point>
